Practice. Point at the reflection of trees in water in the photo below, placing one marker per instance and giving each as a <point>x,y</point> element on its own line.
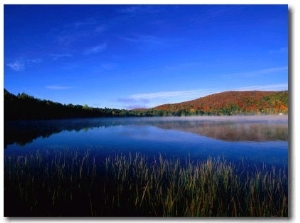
<point>232,131</point>
<point>23,132</point>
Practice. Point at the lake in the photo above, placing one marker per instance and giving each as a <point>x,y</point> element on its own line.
<point>183,166</point>
<point>248,138</point>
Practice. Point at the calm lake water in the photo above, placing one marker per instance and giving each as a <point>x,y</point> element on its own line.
<point>241,138</point>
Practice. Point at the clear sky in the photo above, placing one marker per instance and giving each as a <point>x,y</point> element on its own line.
<point>128,56</point>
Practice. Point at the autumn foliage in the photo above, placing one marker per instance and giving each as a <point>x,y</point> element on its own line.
<point>231,103</point>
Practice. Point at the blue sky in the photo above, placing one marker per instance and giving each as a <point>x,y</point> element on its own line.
<point>128,56</point>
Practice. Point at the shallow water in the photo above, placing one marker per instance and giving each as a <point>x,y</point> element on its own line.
<point>261,139</point>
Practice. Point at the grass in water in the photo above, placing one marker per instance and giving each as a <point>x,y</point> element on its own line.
<point>71,183</point>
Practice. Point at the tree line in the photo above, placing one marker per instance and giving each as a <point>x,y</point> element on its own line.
<point>26,107</point>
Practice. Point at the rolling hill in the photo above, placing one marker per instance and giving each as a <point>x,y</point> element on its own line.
<point>230,103</point>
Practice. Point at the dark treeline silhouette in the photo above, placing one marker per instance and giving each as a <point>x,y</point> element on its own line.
<point>26,107</point>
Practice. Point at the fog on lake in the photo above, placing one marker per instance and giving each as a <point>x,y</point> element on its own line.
<point>252,138</point>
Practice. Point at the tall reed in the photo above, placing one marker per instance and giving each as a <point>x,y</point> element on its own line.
<point>74,183</point>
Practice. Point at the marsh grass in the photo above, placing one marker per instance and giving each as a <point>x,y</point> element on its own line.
<point>74,183</point>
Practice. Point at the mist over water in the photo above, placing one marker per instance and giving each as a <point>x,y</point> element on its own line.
<point>253,138</point>
<point>237,118</point>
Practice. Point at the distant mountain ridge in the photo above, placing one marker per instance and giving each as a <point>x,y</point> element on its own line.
<point>23,106</point>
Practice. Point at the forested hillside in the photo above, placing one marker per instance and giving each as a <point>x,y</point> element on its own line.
<point>23,106</point>
<point>230,103</point>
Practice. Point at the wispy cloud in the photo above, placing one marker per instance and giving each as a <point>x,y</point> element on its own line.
<point>34,61</point>
<point>201,92</point>
<point>74,32</point>
<point>213,13</point>
<point>140,9</point>
<point>193,94</point>
<point>148,100</point>
<point>171,94</point>
<point>59,56</point>
<point>183,65</point>
<point>57,87</point>
<point>99,29</point>
<point>267,71</point>
<point>83,23</point>
<point>131,103</point>
<point>88,25</point>
<point>96,49</point>
<point>147,42</point>
<point>271,87</point>
<point>130,9</point>
<point>280,50</point>
<point>108,66</point>
<point>144,39</point>
<point>17,65</point>
<point>133,100</point>
<point>20,64</point>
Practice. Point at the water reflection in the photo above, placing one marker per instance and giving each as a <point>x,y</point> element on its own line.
<point>256,129</point>
<point>231,131</point>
